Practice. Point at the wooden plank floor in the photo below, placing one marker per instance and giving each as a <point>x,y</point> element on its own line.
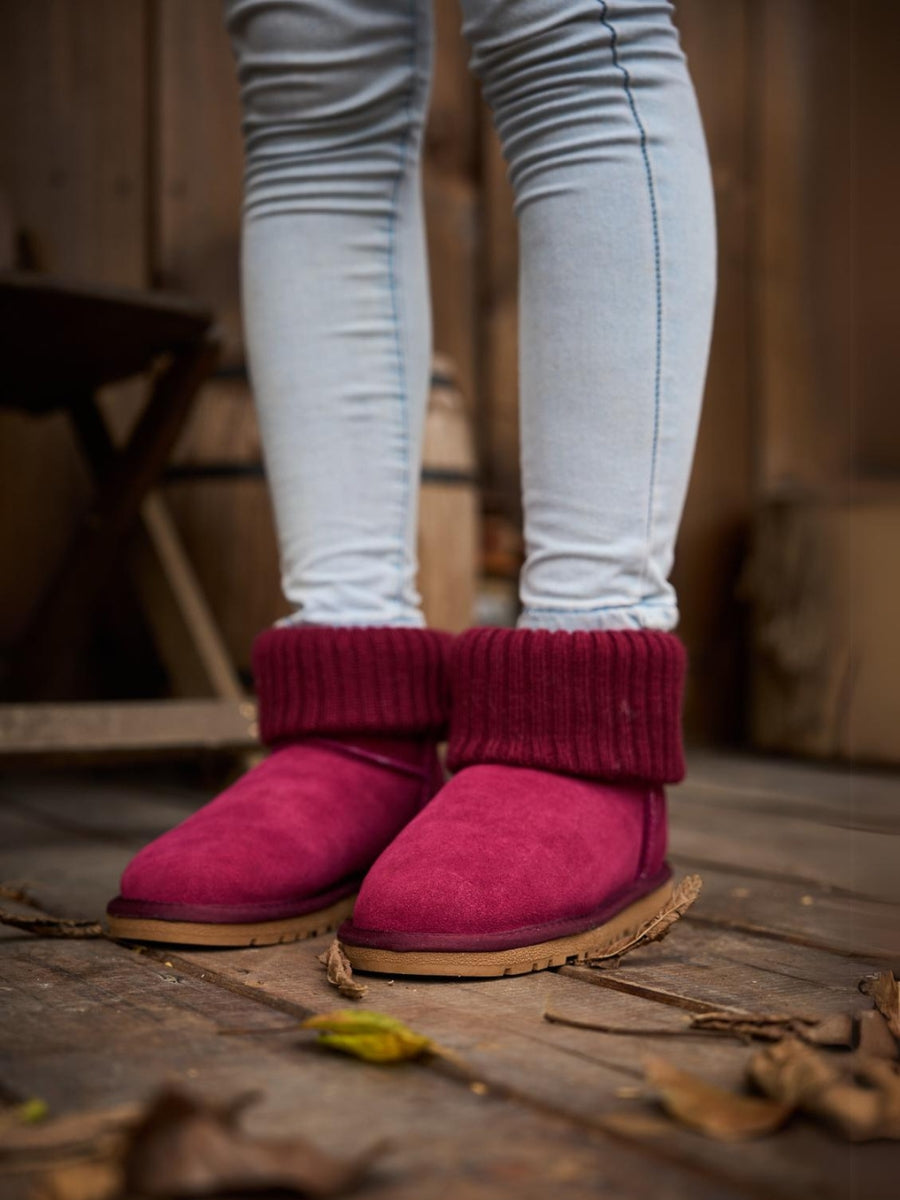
<point>801,867</point>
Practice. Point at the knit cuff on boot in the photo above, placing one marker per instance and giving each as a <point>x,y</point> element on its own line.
<point>601,705</point>
<point>322,679</point>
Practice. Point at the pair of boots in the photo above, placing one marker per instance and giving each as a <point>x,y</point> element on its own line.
<point>548,840</point>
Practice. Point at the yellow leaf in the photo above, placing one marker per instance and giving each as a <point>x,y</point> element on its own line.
<point>33,1110</point>
<point>29,1112</point>
<point>372,1036</point>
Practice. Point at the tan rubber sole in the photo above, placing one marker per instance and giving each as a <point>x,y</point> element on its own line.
<point>259,933</point>
<point>483,964</point>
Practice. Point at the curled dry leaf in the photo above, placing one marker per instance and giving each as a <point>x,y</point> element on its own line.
<point>772,1027</point>
<point>830,1031</point>
<point>372,1036</point>
<point>340,973</point>
<point>186,1147</point>
<point>86,1180</point>
<point>710,1110</point>
<point>71,1135</point>
<point>654,930</point>
<point>681,1028</point>
<point>181,1146</point>
<point>21,895</point>
<point>804,1078</point>
<point>836,1030</point>
<point>875,1037</point>
<point>885,991</point>
<point>52,926</point>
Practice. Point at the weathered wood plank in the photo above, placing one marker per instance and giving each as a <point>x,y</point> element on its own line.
<point>795,912</point>
<point>68,874</point>
<point>94,1025</point>
<point>860,798</point>
<point>858,861</point>
<point>496,1026</point>
<point>99,809</point>
<point>706,967</point>
<point>74,732</point>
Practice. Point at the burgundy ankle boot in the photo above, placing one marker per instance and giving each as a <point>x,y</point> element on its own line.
<point>352,717</point>
<point>551,839</point>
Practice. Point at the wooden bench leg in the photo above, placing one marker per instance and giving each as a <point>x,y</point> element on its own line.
<point>44,661</point>
<point>188,639</point>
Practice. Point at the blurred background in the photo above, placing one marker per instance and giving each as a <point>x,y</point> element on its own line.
<point>137,553</point>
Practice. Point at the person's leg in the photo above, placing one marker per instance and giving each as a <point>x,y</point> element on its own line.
<point>335,291</point>
<point>607,157</point>
<point>352,693</point>
<point>550,840</point>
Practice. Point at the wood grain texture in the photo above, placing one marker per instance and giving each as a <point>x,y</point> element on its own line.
<point>166,1025</point>
<point>826,658</point>
<point>801,913</point>
<point>711,540</point>
<point>73,170</point>
<point>82,731</point>
<point>197,156</point>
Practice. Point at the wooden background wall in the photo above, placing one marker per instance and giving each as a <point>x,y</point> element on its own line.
<point>120,161</point>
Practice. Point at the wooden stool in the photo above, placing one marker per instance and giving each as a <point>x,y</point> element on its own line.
<point>61,343</point>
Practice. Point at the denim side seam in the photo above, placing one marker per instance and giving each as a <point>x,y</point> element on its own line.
<point>402,382</point>
<point>657,264</point>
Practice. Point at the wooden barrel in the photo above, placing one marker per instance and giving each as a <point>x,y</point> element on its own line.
<point>219,500</point>
<point>449,542</point>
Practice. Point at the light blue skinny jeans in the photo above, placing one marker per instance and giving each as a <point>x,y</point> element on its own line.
<point>602,135</point>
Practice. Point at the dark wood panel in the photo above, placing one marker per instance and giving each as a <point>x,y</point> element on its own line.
<point>713,529</point>
<point>73,172</point>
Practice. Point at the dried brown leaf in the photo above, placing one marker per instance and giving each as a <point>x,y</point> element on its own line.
<point>67,1136</point>
<point>99,1180</point>
<point>772,1027</point>
<point>58,927</point>
<point>185,1147</point>
<point>14,891</point>
<point>803,1078</point>
<point>710,1110</point>
<point>768,1026</point>
<point>875,1037</point>
<point>836,1030</point>
<point>885,991</point>
<point>340,973</point>
<point>658,927</point>
<point>680,1029</point>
